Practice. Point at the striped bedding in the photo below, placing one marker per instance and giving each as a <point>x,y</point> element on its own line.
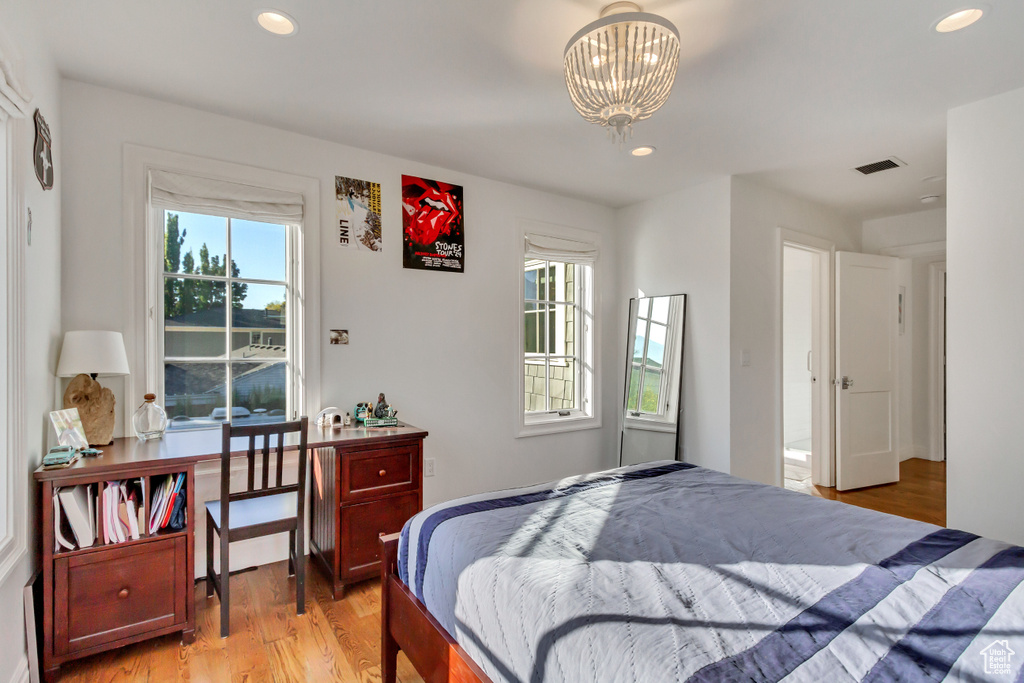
<point>671,572</point>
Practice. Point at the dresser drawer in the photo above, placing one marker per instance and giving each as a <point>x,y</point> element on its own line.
<point>374,473</point>
<point>361,527</point>
<point>118,592</point>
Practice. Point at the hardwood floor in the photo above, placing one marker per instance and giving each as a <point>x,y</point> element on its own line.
<point>919,494</point>
<point>332,641</point>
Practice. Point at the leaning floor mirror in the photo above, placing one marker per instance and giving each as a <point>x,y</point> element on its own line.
<point>651,424</point>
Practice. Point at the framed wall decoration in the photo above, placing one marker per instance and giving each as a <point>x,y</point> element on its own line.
<point>358,214</point>
<point>433,235</point>
<point>42,156</point>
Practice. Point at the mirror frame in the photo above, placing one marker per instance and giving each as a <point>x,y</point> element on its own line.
<point>630,314</point>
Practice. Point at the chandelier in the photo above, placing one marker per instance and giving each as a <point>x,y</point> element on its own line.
<point>620,68</point>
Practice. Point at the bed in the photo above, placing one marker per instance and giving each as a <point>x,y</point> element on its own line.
<point>672,572</point>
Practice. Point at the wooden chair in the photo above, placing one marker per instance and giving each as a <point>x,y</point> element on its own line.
<point>257,511</point>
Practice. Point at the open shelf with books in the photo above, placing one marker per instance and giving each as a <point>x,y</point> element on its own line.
<point>118,556</point>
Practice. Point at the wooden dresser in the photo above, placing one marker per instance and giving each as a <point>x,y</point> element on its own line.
<point>366,483</point>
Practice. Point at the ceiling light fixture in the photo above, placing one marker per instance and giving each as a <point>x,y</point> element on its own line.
<point>277,22</point>
<point>929,199</point>
<point>958,20</point>
<point>642,151</point>
<point>620,68</point>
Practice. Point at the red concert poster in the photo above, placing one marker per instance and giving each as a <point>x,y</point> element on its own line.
<point>432,228</point>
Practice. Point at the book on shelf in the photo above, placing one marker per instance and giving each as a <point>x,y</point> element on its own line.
<point>59,540</point>
<point>162,504</point>
<point>77,503</point>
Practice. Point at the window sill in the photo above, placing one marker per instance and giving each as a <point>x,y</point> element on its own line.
<point>650,425</point>
<point>538,425</point>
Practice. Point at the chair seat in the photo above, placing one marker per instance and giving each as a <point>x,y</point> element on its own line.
<point>256,511</point>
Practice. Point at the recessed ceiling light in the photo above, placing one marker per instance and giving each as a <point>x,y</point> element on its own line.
<point>642,151</point>
<point>929,199</point>
<point>933,179</point>
<point>277,22</point>
<point>959,20</point>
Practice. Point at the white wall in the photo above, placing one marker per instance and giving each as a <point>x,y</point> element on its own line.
<point>22,32</point>
<point>679,244</point>
<point>919,238</point>
<point>441,346</point>
<point>755,288</point>
<point>985,317</point>
<point>920,227</point>
<point>798,268</point>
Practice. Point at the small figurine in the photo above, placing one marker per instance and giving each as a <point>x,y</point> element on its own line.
<point>381,410</point>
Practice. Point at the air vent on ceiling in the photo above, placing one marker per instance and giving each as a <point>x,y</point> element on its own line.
<point>883,165</point>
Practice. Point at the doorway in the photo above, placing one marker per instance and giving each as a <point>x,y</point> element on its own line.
<point>805,358</point>
<point>797,359</point>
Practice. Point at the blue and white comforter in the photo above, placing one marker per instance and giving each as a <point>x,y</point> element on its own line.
<point>671,572</point>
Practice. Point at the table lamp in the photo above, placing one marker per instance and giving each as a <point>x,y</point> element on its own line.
<point>85,355</point>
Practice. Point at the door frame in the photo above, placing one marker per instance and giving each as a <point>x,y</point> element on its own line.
<point>823,322</point>
<point>936,360</point>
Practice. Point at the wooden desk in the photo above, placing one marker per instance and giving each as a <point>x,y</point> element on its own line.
<point>109,595</point>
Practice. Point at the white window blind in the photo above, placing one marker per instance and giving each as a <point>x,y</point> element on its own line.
<point>558,249</point>
<point>196,194</point>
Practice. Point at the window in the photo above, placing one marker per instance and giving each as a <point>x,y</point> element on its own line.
<point>551,312</point>
<point>557,339</point>
<point>654,368</point>
<point>226,292</point>
<point>5,414</point>
<point>226,269</point>
<point>15,228</point>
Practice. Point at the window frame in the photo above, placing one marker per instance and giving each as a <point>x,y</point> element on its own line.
<point>14,459</point>
<point>587,415</point>
<point>293,318</point>
<point>143,237</point>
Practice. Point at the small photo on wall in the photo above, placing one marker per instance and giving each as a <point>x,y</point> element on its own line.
<point>358,214</point>
<point>432,229</point>
<point>339,336</point>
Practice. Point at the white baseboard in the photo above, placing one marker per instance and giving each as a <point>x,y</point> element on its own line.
<point>20,674</point>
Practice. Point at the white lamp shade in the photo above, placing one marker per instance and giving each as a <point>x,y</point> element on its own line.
<point>88,352</point>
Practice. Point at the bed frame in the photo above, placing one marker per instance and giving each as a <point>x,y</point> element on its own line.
<point>407,625</point>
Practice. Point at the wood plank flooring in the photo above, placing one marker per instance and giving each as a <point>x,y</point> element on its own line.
<point>919,494</point>
<point>269,643</point>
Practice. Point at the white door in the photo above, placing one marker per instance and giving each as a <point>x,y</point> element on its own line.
<point>866,328</point>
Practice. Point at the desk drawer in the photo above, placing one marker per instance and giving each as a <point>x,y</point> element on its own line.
<point>374,473</point>
<point>118,592</point>
<point>361,527</point>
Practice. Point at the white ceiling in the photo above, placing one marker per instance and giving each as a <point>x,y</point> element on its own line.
<point>792,92</point>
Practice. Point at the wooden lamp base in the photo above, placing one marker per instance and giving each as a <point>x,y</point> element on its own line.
<point>95,405</point>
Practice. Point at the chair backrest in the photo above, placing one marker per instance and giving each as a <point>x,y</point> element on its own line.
<point>273,439</point>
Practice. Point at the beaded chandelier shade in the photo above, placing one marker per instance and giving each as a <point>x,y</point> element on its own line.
<point>620,68</point>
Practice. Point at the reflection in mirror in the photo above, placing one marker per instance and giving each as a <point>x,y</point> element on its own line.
<point>651,410</point>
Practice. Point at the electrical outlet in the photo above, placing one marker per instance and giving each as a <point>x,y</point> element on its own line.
<point>428,467</point>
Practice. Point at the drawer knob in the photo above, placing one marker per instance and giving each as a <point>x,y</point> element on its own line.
<point>382,472</point>
<point>123,593</point>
